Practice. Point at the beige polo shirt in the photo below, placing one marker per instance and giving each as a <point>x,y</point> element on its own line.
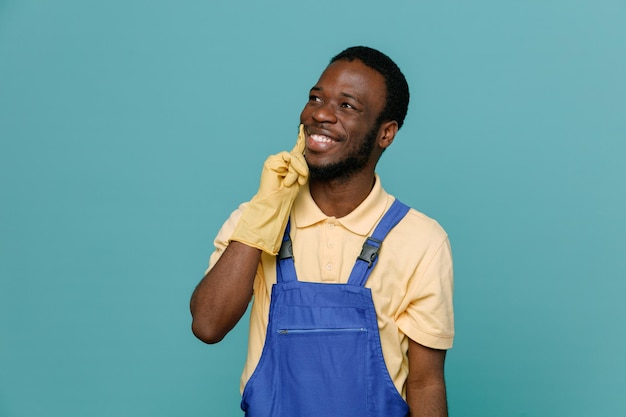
<point>411,285</point>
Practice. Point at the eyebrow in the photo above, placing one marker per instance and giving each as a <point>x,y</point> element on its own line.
<point>350,96</point>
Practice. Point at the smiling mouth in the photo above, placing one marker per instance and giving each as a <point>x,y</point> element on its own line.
<point>321,139</point>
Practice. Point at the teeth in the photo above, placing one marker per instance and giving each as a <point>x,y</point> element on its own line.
<point>321,138</point>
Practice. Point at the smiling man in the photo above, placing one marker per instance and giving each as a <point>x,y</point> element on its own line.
<point>351,290</point>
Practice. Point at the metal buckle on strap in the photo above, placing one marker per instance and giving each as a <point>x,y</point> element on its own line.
<point>369,251</point>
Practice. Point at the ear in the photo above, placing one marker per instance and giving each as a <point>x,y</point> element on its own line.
<point>387,133</point>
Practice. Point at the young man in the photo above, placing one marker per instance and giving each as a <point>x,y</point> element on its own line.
<point>354,315</point>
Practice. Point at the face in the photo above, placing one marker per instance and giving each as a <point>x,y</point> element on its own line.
<point>340,120</point>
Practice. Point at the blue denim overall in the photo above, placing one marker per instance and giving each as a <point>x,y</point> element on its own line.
<point>322,355</point>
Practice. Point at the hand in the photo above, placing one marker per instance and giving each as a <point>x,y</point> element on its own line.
<point>263,221</point>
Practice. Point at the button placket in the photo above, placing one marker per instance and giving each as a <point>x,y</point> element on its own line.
<point>329,261</point>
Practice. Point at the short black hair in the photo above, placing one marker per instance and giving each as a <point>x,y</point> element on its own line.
<point>397,100</point>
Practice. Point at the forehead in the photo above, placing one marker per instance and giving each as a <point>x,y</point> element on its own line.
<point>353,78</point>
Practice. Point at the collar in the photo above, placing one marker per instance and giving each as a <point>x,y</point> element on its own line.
<point>360,221</point>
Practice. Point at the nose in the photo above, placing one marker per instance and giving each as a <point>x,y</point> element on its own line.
<point>324,113</point>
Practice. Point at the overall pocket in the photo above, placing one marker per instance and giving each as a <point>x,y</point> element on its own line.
<point>323,371</point>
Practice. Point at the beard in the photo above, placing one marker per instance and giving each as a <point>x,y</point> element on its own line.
<point>350,164</point>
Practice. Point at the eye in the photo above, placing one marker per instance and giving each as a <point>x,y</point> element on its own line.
<point>314,98</point>
<point>349,106</point>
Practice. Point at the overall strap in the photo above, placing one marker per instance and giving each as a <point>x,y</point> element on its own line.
<point>285,268</point>
<point>369,254</point>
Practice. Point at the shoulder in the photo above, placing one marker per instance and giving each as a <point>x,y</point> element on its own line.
<point>415,243</point>
<point>418,226</point>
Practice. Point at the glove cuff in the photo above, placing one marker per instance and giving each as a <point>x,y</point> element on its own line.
<point>262,224</point>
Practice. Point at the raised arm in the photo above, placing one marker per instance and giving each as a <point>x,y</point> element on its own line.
<point>222,296</point>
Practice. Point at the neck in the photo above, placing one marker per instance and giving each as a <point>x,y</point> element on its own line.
<point>339,197</point>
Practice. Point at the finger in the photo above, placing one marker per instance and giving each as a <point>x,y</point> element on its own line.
<point>277,162</point>
<point>300,143</point>
<point>298,163</point>
<point>290,178</point>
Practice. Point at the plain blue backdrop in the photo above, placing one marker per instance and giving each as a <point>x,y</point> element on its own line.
<point>130,129</point>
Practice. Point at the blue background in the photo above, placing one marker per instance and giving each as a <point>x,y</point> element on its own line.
<point>130,129</point>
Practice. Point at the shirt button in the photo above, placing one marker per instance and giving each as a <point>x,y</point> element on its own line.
<point>331,244</point>
<point>329,267</point>
<point>332,226</point>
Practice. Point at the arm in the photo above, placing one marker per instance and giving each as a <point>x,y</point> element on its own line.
<point>426,387</point>
<point>222,296</point>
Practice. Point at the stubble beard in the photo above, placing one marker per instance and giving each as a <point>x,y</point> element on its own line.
<point>350,165</point>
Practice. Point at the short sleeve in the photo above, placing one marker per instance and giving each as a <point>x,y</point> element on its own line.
<point>223,236</point>
<point>428,318</point>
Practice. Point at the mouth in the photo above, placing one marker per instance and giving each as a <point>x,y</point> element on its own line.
<point>319,135</point>
<point>320,141</point>
<point>321,138</point>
